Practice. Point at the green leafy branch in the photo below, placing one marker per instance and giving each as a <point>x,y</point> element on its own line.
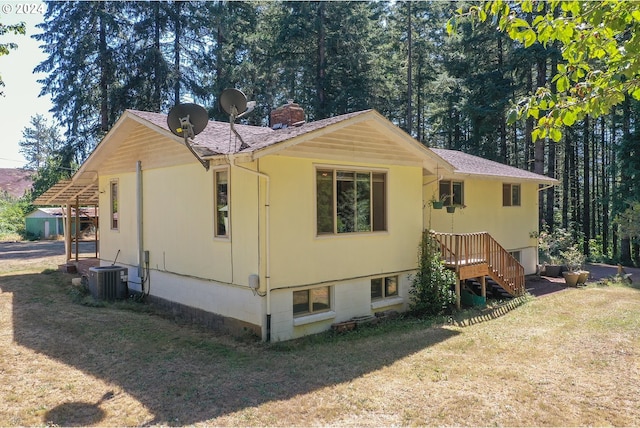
<point>600,48</point>
<point>6,47</point>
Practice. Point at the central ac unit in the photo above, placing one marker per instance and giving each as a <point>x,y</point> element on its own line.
<point>108,282</point>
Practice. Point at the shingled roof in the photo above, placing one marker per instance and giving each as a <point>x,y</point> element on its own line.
<point>214,139</point>
<point>467,164</point>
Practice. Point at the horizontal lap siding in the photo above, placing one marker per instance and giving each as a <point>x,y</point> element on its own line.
<point>299,257</point>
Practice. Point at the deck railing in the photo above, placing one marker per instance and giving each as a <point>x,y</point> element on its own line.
<point>464,249</point>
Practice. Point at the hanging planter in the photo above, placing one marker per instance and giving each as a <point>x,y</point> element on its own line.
<point>451,209</point>
<point>437,205</point>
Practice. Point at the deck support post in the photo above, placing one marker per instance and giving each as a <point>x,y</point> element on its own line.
<point>483,286</point>
<point>458,305</point>
<point>77,227</point>
<point>67,232</point>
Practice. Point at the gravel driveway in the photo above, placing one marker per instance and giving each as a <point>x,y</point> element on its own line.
<point>40,249</point>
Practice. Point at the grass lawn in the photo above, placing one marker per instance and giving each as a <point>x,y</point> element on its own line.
<point>569,358</point>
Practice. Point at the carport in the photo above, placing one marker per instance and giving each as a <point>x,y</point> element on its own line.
<point>71,195</point>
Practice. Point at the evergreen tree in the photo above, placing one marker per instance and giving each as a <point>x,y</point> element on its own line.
<point>40,141</point>
<point>320,55</point>
<point>82,42</point>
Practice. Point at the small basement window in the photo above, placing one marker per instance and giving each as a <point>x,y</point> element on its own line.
<point>384,287</point>
<point>312,301</point>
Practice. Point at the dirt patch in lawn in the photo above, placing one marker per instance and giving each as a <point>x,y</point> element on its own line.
<point>570,358</point>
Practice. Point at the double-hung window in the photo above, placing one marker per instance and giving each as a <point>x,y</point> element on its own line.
<point>221,205</point>
<point>452,192</point>
<point>113,204</point>
<point>510,195</point>
<point>349,201</point>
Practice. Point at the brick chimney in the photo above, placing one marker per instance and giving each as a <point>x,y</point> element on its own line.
<point>290,114</point>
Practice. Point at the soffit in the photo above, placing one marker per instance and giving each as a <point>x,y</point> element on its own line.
<point>135,142</point>
<point>363,141</point>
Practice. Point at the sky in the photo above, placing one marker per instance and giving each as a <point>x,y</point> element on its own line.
<point>21,89</point>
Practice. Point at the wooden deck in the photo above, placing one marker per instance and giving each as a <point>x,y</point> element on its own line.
<point>478,255</point>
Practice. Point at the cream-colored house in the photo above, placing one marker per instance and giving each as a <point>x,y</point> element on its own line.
<point>296,228</point>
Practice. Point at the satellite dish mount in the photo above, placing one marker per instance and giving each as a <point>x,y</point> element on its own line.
<point>234,103</point>
<point>187,121</point>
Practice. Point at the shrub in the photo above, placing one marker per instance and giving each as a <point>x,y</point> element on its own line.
<point>431,286</point>
<point>12,214</point>
<point>551,245</point>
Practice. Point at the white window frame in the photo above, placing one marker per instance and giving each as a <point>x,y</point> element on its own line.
<point>355,169</point>
<point>511,202</point>
<point>384,287</point>
<point>216,214</point>
<point>450,198</point>
<point>114,205</point>
<point>311,312</point>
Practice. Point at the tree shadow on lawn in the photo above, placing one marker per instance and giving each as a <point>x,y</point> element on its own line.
<point>181,373</point>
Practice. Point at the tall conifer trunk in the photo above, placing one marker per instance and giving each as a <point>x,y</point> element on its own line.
<point>502,120</point>
<point>538,150</point>
<point>104,70</point>
<point>157,75</point>
<point>625,242</point>
<point>586,181</point>
<point>604,184</point>
<point>321,61</point>
<point>409,71</point>
<point>176,51</point>
<point>551,160</point>
<point>566,179</point>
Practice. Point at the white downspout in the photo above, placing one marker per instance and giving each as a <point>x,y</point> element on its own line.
<point>139,224</point>
<point>267,240</point>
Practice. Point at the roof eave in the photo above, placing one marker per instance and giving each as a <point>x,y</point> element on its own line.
<point>541,179</point>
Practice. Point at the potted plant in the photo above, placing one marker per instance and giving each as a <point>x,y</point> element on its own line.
<point>437,204</point>
<point>551,245</point>
<point>554,267</point>
<point>573,259</point>
<point>584,275</point>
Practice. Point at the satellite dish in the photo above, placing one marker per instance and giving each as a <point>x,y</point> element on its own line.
<point>187,120</point>
<point>233,102</point>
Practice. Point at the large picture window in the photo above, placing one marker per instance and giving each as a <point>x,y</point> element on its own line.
<point>510,195</point>
<point>312,301</point>
<point>350,201</point>
<point>221,209</point>
<point>113,204</point>
<point>452,192</point>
